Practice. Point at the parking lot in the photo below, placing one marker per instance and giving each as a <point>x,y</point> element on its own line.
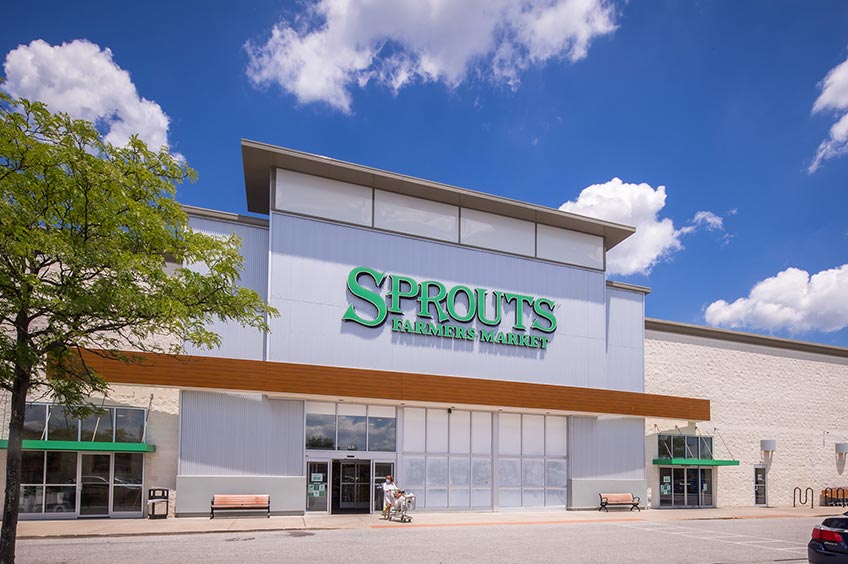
<point>682,541</point>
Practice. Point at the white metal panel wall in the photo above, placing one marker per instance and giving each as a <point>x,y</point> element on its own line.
<point>606,448</point>
<point>416,216</point>
<point>625,340</point>
<point>322,197</point>
<point>490,231</point>
<point>237,341</point>
<point>570,247</point>
<point>240,435</point>
<point>310,263</point>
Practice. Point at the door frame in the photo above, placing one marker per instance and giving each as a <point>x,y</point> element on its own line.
<point>764,469</point>
<point>80,486</point>
<point>111,513</point>
<point>685,469</point>
<point>330,456</point>
<point>357,463</point>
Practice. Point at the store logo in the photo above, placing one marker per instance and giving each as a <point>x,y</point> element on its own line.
<point>439,305</point>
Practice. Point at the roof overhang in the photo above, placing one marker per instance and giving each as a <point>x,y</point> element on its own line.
<point>260,158</point>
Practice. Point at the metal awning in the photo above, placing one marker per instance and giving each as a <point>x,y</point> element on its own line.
<point>694,462</point>
<point>82,446</point>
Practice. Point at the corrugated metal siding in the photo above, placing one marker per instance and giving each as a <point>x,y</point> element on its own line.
<point>606,448</point>
<point>625,354</point>
<point>224,434</point>
<point>238,341</point>
<point>311,261</point>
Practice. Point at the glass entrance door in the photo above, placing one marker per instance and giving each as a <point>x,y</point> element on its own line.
<point>95,482</point>
<point>356,485</point>
<point>381,470</point>
<point>351,486</point>
<point>686,487</point>
<point>760,486</point>
<point>316,488</point>
<point>707,487</point>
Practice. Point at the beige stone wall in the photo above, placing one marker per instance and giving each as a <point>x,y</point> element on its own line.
<point>755,393</point>
<point>160,467</point>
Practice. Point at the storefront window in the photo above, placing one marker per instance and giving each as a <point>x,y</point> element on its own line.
<point>121,424</point>
<point>706,448</point>
<point>679,447</point>
<point>60,499</point>
<point>691,447</point>
<point>382,434</point>
<point>126,498</point>
<point>352,432</point>
<point>32,467</point>
<point>688,446</point>
<point>61,467</point>
<point>36,415</point>
<point>128,468</point>
<point>129,425</point>
<point>32,499</point>
<point>98,427</point>
<point>664,447</point>
<point>61,426</point>
<point>351,427</point>
<point>321,431</point>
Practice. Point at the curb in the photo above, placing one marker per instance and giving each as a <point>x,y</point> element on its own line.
<point>312,529</point>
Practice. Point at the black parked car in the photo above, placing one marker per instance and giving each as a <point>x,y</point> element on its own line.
<point>829,542</point>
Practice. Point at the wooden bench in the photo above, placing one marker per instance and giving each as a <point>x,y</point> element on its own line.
<point>624,499</point>
<point>239,503</point>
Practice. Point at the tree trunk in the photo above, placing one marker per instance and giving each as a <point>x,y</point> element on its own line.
<point>13,467</point>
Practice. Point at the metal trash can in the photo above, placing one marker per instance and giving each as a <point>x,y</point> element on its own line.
<point>157,496</point>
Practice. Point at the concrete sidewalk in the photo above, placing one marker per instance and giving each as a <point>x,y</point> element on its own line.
<point>194,525</point>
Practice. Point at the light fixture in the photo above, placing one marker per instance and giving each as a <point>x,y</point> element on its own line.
<point>768,446</point>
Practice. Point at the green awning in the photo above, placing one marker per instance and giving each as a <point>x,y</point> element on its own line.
<point>694,462</point>
<point>82,445</point>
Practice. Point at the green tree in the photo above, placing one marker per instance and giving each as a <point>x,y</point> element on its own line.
<point>91,243</point>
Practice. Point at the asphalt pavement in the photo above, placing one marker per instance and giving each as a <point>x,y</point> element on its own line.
<point>610,540</point>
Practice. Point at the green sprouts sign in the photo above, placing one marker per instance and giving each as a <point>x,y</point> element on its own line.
<point>438,314</point>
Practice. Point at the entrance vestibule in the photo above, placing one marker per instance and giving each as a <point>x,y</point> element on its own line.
<point>346,486</point>
<point>686,487</point>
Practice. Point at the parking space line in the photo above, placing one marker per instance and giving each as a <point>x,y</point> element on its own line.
<point>752,541</point>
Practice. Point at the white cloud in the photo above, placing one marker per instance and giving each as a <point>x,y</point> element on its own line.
<point>337,44</point>
<point>792,300</point>
<point>638,205</point>
<point>81,79</point>
<point>833,97</point>
<point>708,219</point>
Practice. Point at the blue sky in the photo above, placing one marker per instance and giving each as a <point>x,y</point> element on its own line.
<point>715,101</point>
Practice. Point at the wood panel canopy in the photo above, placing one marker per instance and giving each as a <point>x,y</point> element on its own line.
<point>281,377</point>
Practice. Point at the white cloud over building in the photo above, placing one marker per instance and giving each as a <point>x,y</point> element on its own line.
<point>81,79</point>
<point>336,45</point>
<point>638,205</point>
<point>792,300</point>
<point>833,98</point>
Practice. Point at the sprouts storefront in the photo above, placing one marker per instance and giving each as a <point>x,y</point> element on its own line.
<point>468,344</point>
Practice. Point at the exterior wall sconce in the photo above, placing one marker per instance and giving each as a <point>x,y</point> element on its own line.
<point>841,453</point>
<point>768,446</point>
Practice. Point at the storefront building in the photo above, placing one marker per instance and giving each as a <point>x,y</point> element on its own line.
<point>470,345</point>
<point>778,419</point>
